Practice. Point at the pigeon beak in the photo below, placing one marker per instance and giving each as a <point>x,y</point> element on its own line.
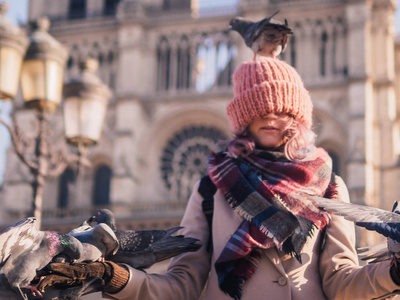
<point>91,219</point>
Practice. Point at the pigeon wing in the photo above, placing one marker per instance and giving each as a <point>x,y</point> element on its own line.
<point>254,31</point>
<point>18,239</point>
<point>375,219</point>
<point>374,253</point>
<point>18,245</point>
<point>151,246</point>
<point>356,212</point>
<point>389,230</point>
<point>103,235</point>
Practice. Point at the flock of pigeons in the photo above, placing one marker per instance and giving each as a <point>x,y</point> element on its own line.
<point>25,249</point>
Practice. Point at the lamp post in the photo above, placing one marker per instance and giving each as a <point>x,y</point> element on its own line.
<point>41,77</point>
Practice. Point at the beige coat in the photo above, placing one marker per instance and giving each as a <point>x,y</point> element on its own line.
<point>330,273</point>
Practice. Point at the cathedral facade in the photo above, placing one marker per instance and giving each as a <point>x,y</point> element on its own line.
<point>169,64</point>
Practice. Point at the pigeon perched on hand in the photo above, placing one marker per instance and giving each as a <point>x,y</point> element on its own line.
<point>99,242</point>
<point>382,221</point>
<point>24,249</point>
<point>141,249</point>
<point>268,37</point>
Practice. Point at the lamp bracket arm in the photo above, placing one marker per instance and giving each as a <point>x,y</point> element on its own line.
<point>58,169</point>
<point>19,146</point>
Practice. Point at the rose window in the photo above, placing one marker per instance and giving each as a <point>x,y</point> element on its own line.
<point>184,160</point>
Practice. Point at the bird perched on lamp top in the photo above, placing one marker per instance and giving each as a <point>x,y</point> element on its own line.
<point>268,37</point>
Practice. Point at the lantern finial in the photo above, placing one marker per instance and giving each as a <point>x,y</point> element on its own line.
<point>89,64</point>
<point>42,24</point>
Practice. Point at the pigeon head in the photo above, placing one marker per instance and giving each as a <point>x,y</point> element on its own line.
<point>240,25</point>
<point>105,216</point>
<point>72,248</point>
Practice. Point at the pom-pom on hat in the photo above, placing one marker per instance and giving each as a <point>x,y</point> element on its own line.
<point>267,85</point>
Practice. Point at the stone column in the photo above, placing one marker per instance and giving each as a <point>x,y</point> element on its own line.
<point>362,182</point>
<point>173,67</point>
<point>136,77</point>
<point>383,108</point>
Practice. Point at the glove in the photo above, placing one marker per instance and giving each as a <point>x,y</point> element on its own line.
<point>61,275</point>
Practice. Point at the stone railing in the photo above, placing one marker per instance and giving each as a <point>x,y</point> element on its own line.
<point>263,3</point>
<point>135,213</point>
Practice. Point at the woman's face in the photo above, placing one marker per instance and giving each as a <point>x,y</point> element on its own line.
<point>268,131</point>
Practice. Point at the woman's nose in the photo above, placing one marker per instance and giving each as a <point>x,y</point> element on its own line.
<point>270,116</point>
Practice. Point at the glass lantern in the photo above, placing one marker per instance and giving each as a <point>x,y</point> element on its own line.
<point>85,104</point>
<point>13,44</point>
<point>43,68</point>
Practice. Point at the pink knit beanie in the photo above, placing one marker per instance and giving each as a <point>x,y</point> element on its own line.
<point>266,85</point>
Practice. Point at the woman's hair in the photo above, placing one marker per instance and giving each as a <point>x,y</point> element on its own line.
<point>297,139</point>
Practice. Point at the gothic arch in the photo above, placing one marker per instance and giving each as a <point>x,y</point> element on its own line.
<point>65,182</point>
<point>182,60</point>
<point>163,63</point>
<point>331,137</point>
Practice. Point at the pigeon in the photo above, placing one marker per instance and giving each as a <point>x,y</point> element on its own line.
<point>24,249</point>
<point>382,221</point>
<point>99,242</point>
<point>141,249</point>
<point>268,37</point>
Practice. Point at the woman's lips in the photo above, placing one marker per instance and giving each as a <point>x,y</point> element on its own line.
<point>269,128</point>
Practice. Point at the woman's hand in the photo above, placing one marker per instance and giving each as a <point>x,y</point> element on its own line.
<point>60,275</point>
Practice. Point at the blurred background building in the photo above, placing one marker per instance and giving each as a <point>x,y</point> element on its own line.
<point>169,64</point>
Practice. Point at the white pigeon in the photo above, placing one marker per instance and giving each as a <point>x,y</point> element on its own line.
<point>99,242</point>
<point>24,249</point>
<point>375,219</point>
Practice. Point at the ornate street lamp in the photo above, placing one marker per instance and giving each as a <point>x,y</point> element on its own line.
<point>85,103</point>
<point>42,85</point>
<point>13,43</point>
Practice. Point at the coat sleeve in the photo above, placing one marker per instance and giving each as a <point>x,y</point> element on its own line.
<point>342,277</point>
<point>186,274</point>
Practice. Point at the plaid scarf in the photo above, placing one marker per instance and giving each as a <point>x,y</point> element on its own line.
<point>271,194</point>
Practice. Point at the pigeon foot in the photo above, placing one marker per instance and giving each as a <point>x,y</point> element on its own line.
<point>33,288</point>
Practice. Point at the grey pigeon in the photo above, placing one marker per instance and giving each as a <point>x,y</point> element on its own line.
<point>24,249</point>
<point>141,249</point>
<point>268,37</point>
<point>99,242</point>
<point>382,221</point>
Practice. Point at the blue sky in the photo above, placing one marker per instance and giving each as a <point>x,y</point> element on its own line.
<point>17,13</point>
<point>18,10</point>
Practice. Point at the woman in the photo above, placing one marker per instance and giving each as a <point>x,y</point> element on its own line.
<point>269,241</point>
